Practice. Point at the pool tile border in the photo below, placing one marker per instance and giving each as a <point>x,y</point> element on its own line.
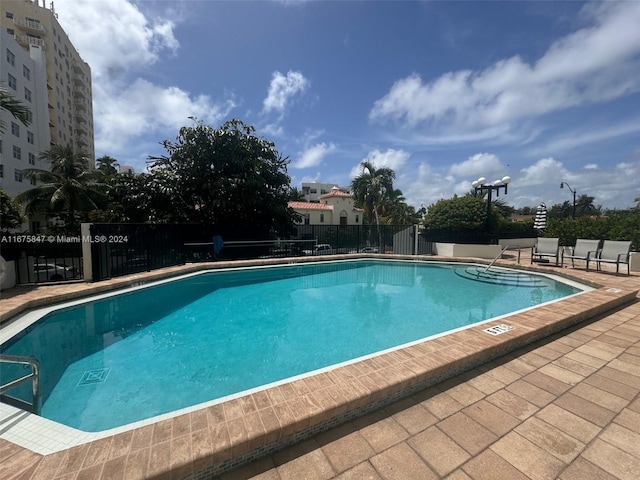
<point>209,441</point>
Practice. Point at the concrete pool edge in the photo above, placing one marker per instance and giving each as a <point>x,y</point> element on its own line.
<point>249,427</point>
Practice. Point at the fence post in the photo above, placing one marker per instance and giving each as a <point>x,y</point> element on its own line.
<point>87,266</point>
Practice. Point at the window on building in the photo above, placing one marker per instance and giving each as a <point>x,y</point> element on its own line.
<point>10,31</point>
<point>11,58</point>
<point>18,175</point>
<point>314,190</point>
<point>15,129</point>
<point>307,219</point>
<point>1,171</point>
<point>30,138</point>
<point>17,152</point>
<point>11,80</point>
<point>322,218</point>
<point>343,217</point>
<point>29,116</point>
<point>32,181</point>
<point>26,73</point>
<point>32,159</point>
<point>27,94</point>
<point>9,15</point>
<point>357,218</point>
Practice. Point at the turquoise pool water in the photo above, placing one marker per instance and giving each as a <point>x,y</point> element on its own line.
<point>135,355</point>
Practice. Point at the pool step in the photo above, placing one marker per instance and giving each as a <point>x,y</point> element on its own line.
<point>500,277</point>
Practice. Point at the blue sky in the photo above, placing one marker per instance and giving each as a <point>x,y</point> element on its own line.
<point>441,92</point>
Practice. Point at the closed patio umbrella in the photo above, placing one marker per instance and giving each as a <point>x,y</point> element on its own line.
<point>540,221</point>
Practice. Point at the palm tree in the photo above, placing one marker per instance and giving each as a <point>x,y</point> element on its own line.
<point>369,188</point>
<point>107,165</point>
<point>14,107</point>
<point>69,191</point>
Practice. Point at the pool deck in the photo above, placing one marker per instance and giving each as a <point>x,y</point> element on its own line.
<point>558,398</point>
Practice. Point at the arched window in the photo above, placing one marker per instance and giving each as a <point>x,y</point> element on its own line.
<point>343,217</point>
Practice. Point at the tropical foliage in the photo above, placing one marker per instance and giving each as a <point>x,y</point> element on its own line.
<point>225,176</point>
<point>68,192</point>
<point>10,212</point>
<point>14,107</point>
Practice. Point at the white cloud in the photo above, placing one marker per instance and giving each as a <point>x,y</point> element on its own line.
<point>144,107</point>
<point>478,165</point>
<point>592,65</point>
<point>120,44</point>
<point>313,156</point>
<point>282,89</point>
<point>393,159</point>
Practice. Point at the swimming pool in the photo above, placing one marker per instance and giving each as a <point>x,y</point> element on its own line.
<point>209,335</point>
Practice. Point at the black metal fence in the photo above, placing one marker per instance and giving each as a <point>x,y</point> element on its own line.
<point>42,259</point>
<point>122,249</point>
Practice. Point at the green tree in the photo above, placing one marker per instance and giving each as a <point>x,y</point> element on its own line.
<point>466,212</point>
<point>69,191</point>
<point>107,165</point>
<point>369,188</point>
<point>14,107</point>
<point>226,176</point>
<point>10,212</point>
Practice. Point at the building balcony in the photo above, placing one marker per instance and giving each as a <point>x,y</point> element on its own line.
<point>29,25</point>
<point>79,93</point>
<point>80,106</point>
<point>26,40</point>
<point>78,81</point>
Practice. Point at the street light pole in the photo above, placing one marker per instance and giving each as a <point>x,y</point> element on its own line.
<point>480,185</point>
<point>562,185</point>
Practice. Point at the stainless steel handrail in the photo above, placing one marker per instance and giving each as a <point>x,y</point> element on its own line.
<point>496,259</point>
<point>34,376</point>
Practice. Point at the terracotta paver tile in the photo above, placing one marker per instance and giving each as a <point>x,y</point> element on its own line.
<point>504,374</point>
<point>629,419</point>
<point>442,405</point>
<point>90,473</point>
<point>162,431</point>
<point>608,385</point>
<point>438,450</point>
<point>562,374</point>
<point>585,409</point>
<point>383,434</point>
<point>136,464</point>
<point>600,350</point>
<point>401,462</point>
<point>590,360</point>
<point>465,394</point>
<point>569,423</point>
<point>486,383</point>
<point>623,438</point>
<point>491,417</point>
<point>98,452</point>
<point>574,366</point>
<point>545,382</point>
<point>582,469</point>
<point>47,466</point>
<point>531,393</point>
<point>362,471</point>
<point>600,397</point>
<point>121,444</point>
<point>263,469</point>
<point>613,460</point>
<point>619,376</point>
<point>512,404</point>
<point>312,466</point>
<point>114,469</point>
<point>550,439</point>
<point>348,451</point>
<point>467,433</point>
<point>625,367</point>
<point>159,458</point>
<point>73,460</point>
<point>458,475</point>
<point>411,416</point>
<point>534,359</point>
<point>527,457</point>
<point>491,466</point>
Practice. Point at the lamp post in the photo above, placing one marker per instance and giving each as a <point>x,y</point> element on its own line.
<point>562,185</point>
<point>480,185</point>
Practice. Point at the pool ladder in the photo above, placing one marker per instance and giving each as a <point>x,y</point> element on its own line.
<point>34,376</point>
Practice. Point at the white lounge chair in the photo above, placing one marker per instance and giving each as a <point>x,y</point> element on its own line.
<point>545,247</point>
<point>613,251</point>
<point>583,250</point>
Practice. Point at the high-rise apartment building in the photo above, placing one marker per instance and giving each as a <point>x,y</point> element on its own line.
<point>29,27</point>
